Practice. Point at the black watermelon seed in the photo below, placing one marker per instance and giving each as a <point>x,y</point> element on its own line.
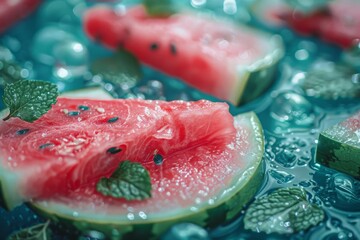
<point>73,113</point>
<point>112,120</point>
<point>83,108</point>
<point>173,49</point>
<point>158,159</point>
<point>46,145</point>
<point>114,150</point>
<point>154,46</point>
<point>22,131</point>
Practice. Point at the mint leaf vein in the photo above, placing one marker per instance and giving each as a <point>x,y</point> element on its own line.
<point>284,211</point>
<point>130,181</point>
<point>29,99</point>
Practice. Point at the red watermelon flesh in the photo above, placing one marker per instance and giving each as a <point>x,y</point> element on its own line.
<point>197,177</point>
<point>210,54</point>
<point>68,147</point>
<point>339,24</point>
<point>13,10</point>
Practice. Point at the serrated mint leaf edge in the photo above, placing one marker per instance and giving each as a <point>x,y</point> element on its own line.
<point>17,105</point>
<point>121,183</point>
<point>290,210</point>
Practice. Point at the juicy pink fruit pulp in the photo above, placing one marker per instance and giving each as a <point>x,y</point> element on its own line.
<point>187,179</point>
<point>67,148</point>
<point>339,24</point>
<point>203,51</point>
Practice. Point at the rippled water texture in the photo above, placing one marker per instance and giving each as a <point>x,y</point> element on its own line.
<point>50,45</point>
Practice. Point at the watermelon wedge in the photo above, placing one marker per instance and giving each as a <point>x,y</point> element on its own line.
<point>12,11</point>
<point>229,61</point>
<point>339,146</point>
<point>339,23</point>
<point>211,163</point>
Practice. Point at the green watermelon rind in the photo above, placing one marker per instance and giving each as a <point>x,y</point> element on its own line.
<point>210,216</point>
<point>255,79</point>
<point>333,153</point>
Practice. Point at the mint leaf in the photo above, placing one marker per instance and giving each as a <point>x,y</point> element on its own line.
<point>29,99</point>
<point>9,72</point>
<point>284,211</point>
<point>163,8</point>
<point>120,69</point>
<point>37,232</point>
<point>130,181</point>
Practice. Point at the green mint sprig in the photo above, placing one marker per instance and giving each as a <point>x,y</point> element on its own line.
<point>130,181</point>
<point>29,99</point>
<point>284,211</point>
<point>37,232</point>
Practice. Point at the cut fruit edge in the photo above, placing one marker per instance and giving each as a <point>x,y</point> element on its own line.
<point>333,153</point>
<point>12,199</point>
<point>255,78</point>
<point>230,202</point>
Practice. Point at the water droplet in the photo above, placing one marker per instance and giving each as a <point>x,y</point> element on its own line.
<point>230,7</point>
<point>186,231</point>
<point>130,216</point>
<point>72,56</point>
<point>293,109</point>
<point>347,196</point>
<point>75,214</point>
<point>45,41</point>
<point>198,3</point>
<point>281,177</point>
<point>142,215</point>
<point>92,235</point>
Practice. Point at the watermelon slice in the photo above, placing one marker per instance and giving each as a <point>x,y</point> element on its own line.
<point>12,11</point>
<point>339,23</point>
<point>211,162</point>
<point>229,61</point>
<point>339,147</point>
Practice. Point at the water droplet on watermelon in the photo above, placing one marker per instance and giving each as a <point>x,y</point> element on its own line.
<point>292,108</point>
<point>75,214</point>
<point>186,231</point>
<point>142,215</point>
<point>130,216</point>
